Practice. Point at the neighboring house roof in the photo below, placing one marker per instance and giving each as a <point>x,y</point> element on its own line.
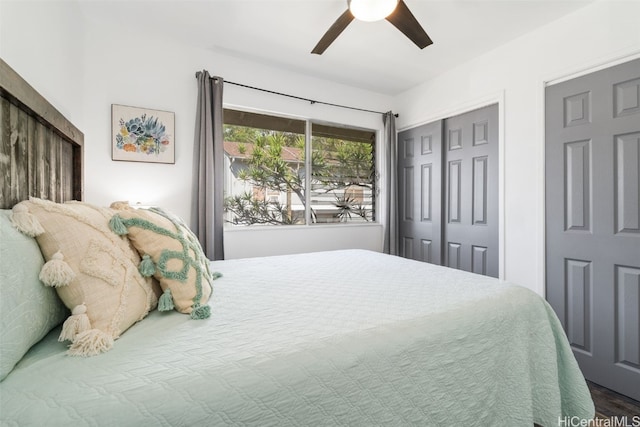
<point>232,149</point>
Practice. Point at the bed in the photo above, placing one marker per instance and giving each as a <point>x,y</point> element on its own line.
<point>330,338</point>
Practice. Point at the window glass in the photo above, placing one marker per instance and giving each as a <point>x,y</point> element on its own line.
<point>342,175</point>
<point>265,171</point>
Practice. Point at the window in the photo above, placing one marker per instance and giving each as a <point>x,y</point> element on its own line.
<point>342,174</point>
<point>266,166</point>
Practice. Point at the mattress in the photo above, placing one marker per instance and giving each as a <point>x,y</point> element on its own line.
<point>329,338</point>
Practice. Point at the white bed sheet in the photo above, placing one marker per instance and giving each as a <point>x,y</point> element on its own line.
<point>331,338</point>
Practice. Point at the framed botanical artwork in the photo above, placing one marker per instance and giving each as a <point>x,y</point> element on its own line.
<point>142,134</point>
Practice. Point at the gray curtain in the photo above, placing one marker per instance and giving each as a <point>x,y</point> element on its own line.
<point>390,244</point>
<point>209,179</point>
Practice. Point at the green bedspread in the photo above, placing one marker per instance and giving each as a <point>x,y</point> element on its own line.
<point>332,338</point>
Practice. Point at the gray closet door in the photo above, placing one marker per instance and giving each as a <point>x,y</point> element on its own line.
<point>448,192</point>
<point>471,191</point>
<point>420,192</point>
<point>593,221</point>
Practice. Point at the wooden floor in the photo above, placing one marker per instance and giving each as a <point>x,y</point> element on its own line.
<point>611,404</point>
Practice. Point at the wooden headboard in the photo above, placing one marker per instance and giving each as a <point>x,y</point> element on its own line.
<point>41,152</point>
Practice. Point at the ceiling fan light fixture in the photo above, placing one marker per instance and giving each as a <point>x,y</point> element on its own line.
<point>372,10</point>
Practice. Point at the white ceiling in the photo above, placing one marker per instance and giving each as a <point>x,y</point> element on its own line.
<point>373,56</point>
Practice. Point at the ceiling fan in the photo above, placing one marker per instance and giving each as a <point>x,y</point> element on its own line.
<point>394,11</point>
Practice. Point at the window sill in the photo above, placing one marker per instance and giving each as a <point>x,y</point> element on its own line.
<point>245,228</point>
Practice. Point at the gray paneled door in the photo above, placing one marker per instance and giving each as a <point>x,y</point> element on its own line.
<point>471,191</point>
<point>593,221</point>
<point>420,192</point>
<point>448,191</point>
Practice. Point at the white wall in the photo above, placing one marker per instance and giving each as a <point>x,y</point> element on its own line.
<point>116,65</point>
<point>599,33</point>
<point>42,42</point>
<point>294,239</point>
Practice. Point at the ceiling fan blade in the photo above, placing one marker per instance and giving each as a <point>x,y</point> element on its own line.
<point>403,19</point>
<point>333,32</point>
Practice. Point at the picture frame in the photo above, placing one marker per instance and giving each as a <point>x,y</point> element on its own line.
<point>142,134</point>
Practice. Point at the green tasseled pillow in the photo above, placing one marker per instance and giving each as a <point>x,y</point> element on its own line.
<point>172,254</point>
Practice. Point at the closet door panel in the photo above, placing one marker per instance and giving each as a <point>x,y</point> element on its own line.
<point>592,191</point>
<point>471,191</point>
<point>420,192</point>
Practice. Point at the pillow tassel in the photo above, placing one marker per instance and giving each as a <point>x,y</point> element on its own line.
<point>200,312</point>
<point>165,303</point>
<point>56,272</point>
<point>76,323</point>
<point>117,226</point>
<point>90,343</point>
<point>25,222</point>
<point>147,268</point>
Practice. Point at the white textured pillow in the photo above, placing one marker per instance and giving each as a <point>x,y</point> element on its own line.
<point>28,310</point>
<point>94,271</point>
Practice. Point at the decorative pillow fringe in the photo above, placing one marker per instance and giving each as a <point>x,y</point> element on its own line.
<point>25,222</point>
<point>215,275</point>
<point>90,343</point>
<point>165,303</point>
<point>117,226</point>
<point>200,312</point>
<point>75,324</point>
<point>147,267</point>
<point>56,272</point>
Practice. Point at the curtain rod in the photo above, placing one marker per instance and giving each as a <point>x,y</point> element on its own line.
<point>312,101</point>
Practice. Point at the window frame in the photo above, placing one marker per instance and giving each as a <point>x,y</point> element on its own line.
<point>375,184</point>
<point>308,148</point>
